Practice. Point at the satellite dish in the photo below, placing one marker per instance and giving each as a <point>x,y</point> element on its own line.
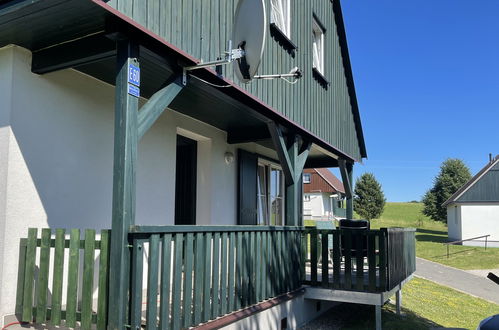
<point>249,31</point>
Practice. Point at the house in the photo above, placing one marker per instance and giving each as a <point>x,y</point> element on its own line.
<point>323,195</point>
<point>196,174</point>
<point>473,210</point>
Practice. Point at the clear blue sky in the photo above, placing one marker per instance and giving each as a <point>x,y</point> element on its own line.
<point>427,82</point>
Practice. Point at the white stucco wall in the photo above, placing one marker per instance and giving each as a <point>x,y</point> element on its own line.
<point>318,206</point>
<point>56,161</point>
<point>478,220</point>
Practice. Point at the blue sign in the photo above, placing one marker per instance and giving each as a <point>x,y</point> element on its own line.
<point>133,75</point>
<point>133,90</point>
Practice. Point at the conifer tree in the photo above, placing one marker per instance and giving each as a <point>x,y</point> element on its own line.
<point>369,200</point>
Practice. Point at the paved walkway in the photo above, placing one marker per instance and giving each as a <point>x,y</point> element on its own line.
<point>458,279</point>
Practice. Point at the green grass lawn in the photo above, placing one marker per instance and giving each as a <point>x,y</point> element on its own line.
<point>431,234</point>
<point>425,305</point>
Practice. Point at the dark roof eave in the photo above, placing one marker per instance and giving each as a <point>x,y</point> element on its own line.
<point>338,15</point>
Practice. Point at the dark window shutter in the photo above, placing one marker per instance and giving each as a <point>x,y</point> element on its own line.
<point>247,194</point>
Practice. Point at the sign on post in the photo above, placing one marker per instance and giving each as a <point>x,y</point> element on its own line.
<point>133,80</point>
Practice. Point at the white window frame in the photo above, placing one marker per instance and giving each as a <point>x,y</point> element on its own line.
<point>307,178</point>
<point>281,15</point>
<point>306,197</point>
<point>269,166</point>
<point>318,46</point>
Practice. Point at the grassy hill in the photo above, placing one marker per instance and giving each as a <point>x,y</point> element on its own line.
<point>431,234</point>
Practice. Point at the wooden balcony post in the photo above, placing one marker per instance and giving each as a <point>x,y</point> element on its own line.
<point>124,185</point>
<point>346,170</point>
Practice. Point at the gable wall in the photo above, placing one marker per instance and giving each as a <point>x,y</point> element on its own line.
<point>202,29</point>
<point>484,190</point>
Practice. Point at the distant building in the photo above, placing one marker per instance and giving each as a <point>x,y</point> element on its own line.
<point>323,194</point>
<point>474,209</point>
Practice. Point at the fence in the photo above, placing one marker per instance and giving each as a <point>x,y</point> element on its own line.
<point>389,253</point>
<point>465,240</point>
<point>202,272</point>
<point>43,302</point>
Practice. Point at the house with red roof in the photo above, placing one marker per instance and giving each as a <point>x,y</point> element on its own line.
<point>323,195</point>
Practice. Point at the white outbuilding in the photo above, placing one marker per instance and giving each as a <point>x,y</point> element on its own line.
<point>473,210</point>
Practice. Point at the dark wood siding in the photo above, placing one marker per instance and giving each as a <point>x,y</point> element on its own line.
<point>484,190</point>
<point>202,28</point>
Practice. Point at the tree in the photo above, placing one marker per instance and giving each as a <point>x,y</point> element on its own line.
<point>453,174</point>
<point>369,200</point>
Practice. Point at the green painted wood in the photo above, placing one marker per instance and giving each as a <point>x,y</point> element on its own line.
<point>223,274</point>
<point>359,261</point>
<point>152,283</point>
<point>252,270</point>
<point>154,107</point>
<point>231,292</point>
<point>336,259</point>
<point>21,271</point>
<point>103,298</point>
<point>136,284</point>
<point>383,280</point>
<point>324,259</point>
<point>265,266</point>
<point>313,256</point>
<point>371,261</point>
<point>58,272</point>
<point>43,274</point>
<point>88,279</point>
<point>198,277</point>
<point>347,235</point>
<point>29,276</point>
<point>239,271</point>
<point>177,282</point>
<point>258,267</point>
<point>124,183</point>
<point>209,229</point>
<point>202,30</point>
<point>73,264</point>
<point>166,249</point>
<point>188,267</point>
<point>303,257</point>
<point>216,277</point>
<point>278,264</point>
<point>207,278</point>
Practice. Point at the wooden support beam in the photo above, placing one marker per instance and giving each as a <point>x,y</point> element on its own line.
<point>346,170</point>
<point>124,184</point>
<point>74,53</point>
<point>282,151</point>
<point>292,156</point>
<point>156,104</point>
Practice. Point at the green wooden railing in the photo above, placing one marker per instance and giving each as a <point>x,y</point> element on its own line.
<point>198,273</point>
<point>42,301</point>
<point>358,260</point>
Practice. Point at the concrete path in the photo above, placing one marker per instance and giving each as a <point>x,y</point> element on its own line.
<point>458,279</point>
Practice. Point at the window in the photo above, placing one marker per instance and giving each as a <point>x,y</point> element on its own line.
<point>281,16</point>
<point>318,46</point>
<point>306,198</point>
<point>306,178</point>
<point>270,190</point>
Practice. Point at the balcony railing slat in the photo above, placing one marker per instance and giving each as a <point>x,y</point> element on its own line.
<point>360,241</point>
<point>239,265</point>
<point>152,283</point>
<point>258,266</point>
<point>74,256</point>
<point>223,275</point>
<point>88,279</point>
<point>231,274</point>
<point>166,261</point>
<point>336,259</point>
<point>207,278</point>
<point>347,249</point>
<point>136,289</point>
<point>216,276</point>
<point>313,257</point>
<point>382,261</point>
<point>177,281</point>
<point>198,277</point>
<point>371,261</point>
<point>188,267</point>
<point>29,275</point>
<point>325,259</point>
<point>43,273</point>
<point>21,272</point>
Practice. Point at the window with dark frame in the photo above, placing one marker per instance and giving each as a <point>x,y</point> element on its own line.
<point>270,191</point>
<point>306,178</point>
